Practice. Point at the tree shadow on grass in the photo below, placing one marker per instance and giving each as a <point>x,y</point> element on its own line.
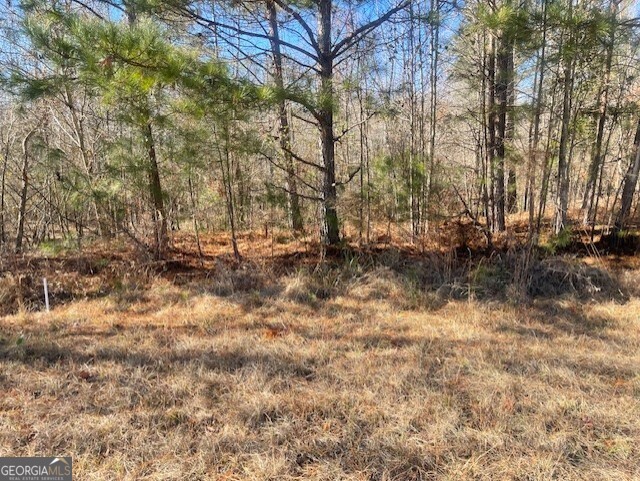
<point>44,351</point>
<point>443,365</point>
<point>549,319</point>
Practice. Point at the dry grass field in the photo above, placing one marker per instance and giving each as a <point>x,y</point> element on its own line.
<point>356,370</point>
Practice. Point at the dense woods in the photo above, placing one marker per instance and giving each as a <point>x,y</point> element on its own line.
<point>390,240</point>
<point>139,118</point>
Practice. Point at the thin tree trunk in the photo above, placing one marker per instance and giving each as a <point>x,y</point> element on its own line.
<point>562,194</point>
<point>597,158</point>
<point>596,204</point>
<point>414,205</point>
<point>3,188</point>
<point>512,190</point>
<point>546,166</point>
<point>512,184</point>
<point>361,129</point>
<point>194,218</point>
<point>484,127</point>
<point>159,216</point>
<point>78,128</point>
<point>367,159</point>
<point>492,124</point>
<point>433,104</point>
<point>23,190</point>
<point>225,166</point>
<point>533,151</point>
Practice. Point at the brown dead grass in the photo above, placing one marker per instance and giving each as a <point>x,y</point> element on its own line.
<point>399,366</point>
<point>175,384</point>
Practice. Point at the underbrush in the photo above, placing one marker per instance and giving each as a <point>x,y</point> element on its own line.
<point>432,279</point>
<point>410,279</point>
<point>387,365</point>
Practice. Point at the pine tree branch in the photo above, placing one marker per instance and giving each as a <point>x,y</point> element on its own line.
<point>304,196</point>
<point>346,43</point>
<point>288,172</point>
<point>346,130</point>
<point>350,178</point>
<point>301,21</point>
<point>303,161</point>
<point>240,31</point>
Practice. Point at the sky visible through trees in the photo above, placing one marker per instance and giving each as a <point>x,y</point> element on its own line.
<point>330,118</point>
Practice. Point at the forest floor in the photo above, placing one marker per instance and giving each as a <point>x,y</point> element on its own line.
<point>391,363</point>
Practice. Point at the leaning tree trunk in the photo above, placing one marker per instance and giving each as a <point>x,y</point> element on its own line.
<point>225,167</point>
<point>295,212</point>
<point>23,190</point>
<point>597,157</point>
<point>330,224</point>
<point>629,188</point>
<point>79,131</point>
<point>161,238</point>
